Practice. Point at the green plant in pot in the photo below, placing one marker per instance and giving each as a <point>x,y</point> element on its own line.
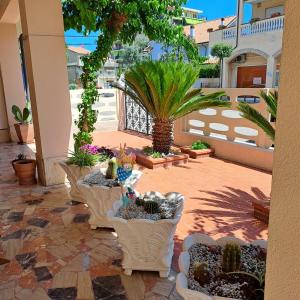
<point>25,169</point>
<point>164,89</point>
<point>23,127</point>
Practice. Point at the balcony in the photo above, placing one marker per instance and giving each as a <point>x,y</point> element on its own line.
<point>250,29</point>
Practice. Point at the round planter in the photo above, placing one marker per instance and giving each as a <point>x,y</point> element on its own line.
<point>100,199</point>
<point>25,133</point>
<point>147,245</point>
<point>25,171</point>
<point>184,263</point>
<point>74,173</point>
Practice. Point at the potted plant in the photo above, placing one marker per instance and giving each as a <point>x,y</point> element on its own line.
<point>197,149</point>
<point>101,189</point>
<point>227,268</point>
<point>83,162</point>
<point>166,97</point>
<point>145,229</point>
<point>25,170</point>
<point>24,128</point>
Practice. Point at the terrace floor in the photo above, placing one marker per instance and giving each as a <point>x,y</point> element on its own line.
<point>53,254</point>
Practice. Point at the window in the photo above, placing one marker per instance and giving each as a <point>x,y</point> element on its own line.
<point>274,11</point>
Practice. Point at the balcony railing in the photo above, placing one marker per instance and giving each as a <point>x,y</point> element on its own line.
<point>258,27</point>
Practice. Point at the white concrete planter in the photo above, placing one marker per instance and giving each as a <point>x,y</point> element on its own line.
<point>184,263</point>
<point>74,173</point>
<point>147,245</point>
<point>100,199</point>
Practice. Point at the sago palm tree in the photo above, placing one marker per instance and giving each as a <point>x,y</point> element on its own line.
<point>251,114</point>
<point>164,90</point>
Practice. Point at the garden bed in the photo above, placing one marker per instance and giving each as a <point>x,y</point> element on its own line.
<point>197,153</point>
<point>214,282</point>
<point>261,210</point>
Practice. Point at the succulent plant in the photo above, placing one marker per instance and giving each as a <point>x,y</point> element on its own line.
<point>151,207</point>
<point>111,172</point>
<point>21,156</point>
<point>201,273</point>
<point>22,117</point>
<point>231,258</point>
<point>139,202</point>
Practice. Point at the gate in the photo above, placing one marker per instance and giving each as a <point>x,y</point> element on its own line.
<point>136,117</point>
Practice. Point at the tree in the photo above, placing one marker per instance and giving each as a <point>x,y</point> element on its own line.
<point>251,114</point>
<point>118,20</point>
<point>164,90</point>
<point>221,51</point>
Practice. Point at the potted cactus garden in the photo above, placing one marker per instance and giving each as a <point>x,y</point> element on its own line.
<point>227,268</point>
<point>198,149</point>
<point>83,161</point>
<point>101,189</point>
<point>145,225</point>
<point>23,127</point>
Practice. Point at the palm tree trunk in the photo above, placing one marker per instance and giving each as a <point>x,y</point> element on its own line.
<point>162,136</point>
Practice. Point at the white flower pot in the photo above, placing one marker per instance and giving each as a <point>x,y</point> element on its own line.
<point>100,199</point>
<point>184,263</point>
<point>74,173</point>
<point>147,245</point>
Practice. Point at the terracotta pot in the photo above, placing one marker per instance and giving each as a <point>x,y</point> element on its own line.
<point>25,171</point>
<point>25,133</point>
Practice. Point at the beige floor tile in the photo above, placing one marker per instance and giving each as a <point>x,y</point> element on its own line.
<point>64,280</point>
<point>84,286</point>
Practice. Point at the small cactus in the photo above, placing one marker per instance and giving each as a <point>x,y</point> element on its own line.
<point>139,202</point>
<point>231,259</point>
<point>151,207</point>
<point>111,172</point>
<point>201,273</point>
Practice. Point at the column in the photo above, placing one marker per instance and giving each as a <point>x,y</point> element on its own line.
<point>283,267</point>
<point>271,67</point>
<point>240,20</point>
<point>12,83</point>
<point>45,57</point>
<point>225,74</point>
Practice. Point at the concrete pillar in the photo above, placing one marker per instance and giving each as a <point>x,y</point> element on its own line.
<point>271,67</point>
<point>283,262</point>
<point>240,20</point>
<point>45,57</point>
<point>225,74</point>
<point>11,73</point>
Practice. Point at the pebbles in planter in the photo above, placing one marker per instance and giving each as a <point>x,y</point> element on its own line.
<point>237,286</point>
<point>98,178</point>
<point>166,208</point>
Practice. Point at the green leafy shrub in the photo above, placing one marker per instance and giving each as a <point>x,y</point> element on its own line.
<point>199,145</point>
<point>150,152</point>
<point>22,117</point>
<point>209,71</point>
<point>83,159</point>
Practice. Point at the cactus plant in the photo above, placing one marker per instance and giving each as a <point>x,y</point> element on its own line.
<point>201,273</point>
<point>231,258</point>
<point>139,202</point>
<point>22,117</point>
<point>151,207</point>
<point>111,172</point>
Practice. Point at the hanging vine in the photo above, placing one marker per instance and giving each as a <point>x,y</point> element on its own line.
<point>118,20</point>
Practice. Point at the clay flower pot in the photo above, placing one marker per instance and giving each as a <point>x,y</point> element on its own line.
<point>25,171</point>
<point>25,133</point>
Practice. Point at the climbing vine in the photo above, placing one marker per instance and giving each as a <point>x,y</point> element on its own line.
<point>120,20</point>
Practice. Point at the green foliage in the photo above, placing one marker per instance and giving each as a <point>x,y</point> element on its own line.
<point>253,115</point>
<point>209,71</point>
<point>164,90</point>
<point>83,159</point>
<point>231,258</point>
<point>22,117</point>
<point>201,273</point>
<point>221,51</point>
<point>111,171</point>
<point>139,202</point>
<point>151,207</point>
<point>150,152</point>
<point>72,86</point>
<point>199,145</point>
<point>123,21</point>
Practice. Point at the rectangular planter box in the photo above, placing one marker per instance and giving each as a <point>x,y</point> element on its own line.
<point>261,211</point>
<point>197,153</point>
<point>152,163</point>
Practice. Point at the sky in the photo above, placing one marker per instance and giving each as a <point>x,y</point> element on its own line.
<point>212,9</point>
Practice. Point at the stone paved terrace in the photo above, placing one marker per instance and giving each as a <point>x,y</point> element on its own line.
<point>53,254</point>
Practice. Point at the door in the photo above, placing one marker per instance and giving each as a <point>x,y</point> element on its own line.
<point>251,77</point>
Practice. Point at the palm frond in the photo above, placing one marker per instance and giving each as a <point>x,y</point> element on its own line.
<point>257,118</point>
<point>271,99</point>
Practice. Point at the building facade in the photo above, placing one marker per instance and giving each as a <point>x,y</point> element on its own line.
<point>255,61</point>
